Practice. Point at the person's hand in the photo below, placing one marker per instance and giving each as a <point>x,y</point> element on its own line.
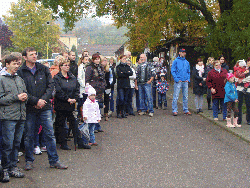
<point>40,104</point>
<point>239,81</point>
<point>136,87</point>
<point>98,121</point>
<point>149,82</point>
<point>247,71</point>
<point>204,79</point>
<point>213,91</point>
<point>236,100</point>
<point>22,97</point>
<point>200,84</point>
<point>179,81</point>
<point>85,118</point>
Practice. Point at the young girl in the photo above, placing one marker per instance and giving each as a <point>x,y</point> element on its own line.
<point>162,87</point>
<point>91,114</point>
<point>231,98</point>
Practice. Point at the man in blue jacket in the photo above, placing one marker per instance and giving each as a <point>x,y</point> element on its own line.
<point>180,71</point>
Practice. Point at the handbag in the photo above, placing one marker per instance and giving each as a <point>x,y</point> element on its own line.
<point>84,130</point>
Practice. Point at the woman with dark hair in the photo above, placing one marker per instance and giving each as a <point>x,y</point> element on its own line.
<point>216,81</point>
<point>123,71</point>
<point>223,63</point>
<point>95,76</point>
<point>199,84</point>
<point>67,93</point>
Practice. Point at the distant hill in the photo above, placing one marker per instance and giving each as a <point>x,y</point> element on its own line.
<point>92,31</point>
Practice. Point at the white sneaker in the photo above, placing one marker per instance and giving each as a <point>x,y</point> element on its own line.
<point>44,149</point>
<point>151,114</point>
<point>142,113</point>
<point>110,113</point>
<point>37,150</point>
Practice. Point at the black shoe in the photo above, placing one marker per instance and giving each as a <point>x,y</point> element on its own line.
<point>84,146</point>
<point>200,110</point>
<point>132,114</point>
<point>6,176</point>
<point>119,116</point>
<point>95,131</point>
<point>248,123</point>
<point>65,147</point>
<point>100,130</point>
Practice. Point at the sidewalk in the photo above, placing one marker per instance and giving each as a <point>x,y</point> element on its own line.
<point>243,132</point>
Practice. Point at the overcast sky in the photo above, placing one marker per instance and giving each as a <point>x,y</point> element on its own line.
<point>5,6</point>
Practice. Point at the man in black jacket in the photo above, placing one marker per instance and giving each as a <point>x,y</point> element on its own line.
<point>73,65</point>
<point>40,86</point>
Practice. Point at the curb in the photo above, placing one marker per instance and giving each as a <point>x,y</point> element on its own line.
<point>215,122</point>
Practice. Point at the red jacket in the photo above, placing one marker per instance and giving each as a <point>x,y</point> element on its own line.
<point>217,81</point>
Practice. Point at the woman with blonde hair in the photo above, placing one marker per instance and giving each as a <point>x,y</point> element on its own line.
<point>105,64</point>
<point>54,69</point>
<point>83,61</point>
<point>209,67</point>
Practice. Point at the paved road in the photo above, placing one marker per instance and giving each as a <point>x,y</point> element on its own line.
<point>162,151</point>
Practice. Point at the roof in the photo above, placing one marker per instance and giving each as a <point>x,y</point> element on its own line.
<point>105,50</point>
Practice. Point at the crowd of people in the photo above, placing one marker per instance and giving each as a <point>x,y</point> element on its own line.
<point>45,104</point>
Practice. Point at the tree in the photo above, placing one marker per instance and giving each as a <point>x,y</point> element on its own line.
<point>149,21</point>
<point>71,10</point>
<point>32,25</point>
<point>5,35</point>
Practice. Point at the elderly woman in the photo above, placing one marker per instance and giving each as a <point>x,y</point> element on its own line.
<point>208,68</point>
<point>67,93</point>
<point>95,76</point>
<point>199,84</point>
<point>216,81</point>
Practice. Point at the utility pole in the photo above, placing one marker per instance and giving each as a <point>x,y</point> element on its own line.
<point>47,40</point>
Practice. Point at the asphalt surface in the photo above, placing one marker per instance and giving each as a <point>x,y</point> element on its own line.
<point>140,151</point>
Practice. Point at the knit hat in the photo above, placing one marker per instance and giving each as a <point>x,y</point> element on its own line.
<point>229,75</point>
<point>91,91</point>
<point>156,59</point>
<point>242,63</point>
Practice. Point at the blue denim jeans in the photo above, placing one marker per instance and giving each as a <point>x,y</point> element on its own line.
<point>154,95</point>
<point>137,100</point>
<point>216,107</point>
<point>12,134</point>
<point>45,119</point>
<point>130,100</point>
<point>39,137</point>
<point>111,100</point>
<point>1,140</point>
<point>97,125</point>
<point>162,99</point>
<point>177,88</point>
<point>91,134</point>
<point>145,97</point>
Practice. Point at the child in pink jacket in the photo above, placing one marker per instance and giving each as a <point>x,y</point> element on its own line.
<point>91,114</point>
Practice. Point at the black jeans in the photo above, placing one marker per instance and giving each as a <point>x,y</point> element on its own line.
<point>61,131</point>
<point>241,96</point>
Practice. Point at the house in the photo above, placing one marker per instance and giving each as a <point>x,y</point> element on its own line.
<point>69,40</point>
